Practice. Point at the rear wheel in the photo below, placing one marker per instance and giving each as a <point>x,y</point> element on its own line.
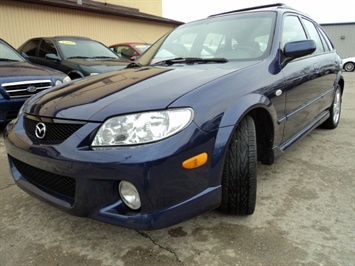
<point>335,110</point>
<point>239,173</point>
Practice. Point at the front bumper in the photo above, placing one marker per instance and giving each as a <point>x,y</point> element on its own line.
<point>83,182</point>
<point>9,108</point>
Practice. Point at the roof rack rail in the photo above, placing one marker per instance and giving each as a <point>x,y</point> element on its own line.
<point>251,8</point>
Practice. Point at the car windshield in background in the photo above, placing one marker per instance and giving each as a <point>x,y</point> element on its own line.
<point>85,49</point>
<point>7,54</point>
<point>242,37</point>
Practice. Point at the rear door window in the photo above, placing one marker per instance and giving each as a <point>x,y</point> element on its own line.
<point>326,40</point>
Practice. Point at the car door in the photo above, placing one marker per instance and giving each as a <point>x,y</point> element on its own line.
<point>303,81</point>
<point>328,64</point>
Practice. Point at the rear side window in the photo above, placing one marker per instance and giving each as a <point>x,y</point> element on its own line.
<point>30,48</point>
<point>292,30</point>
<point>326,40</point>
<point>313,34</point>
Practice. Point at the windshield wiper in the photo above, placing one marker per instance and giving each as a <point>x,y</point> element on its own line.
<point>190,61</point>
<point>8,60</point>
<point>78,57</point>
<point>103,57</point>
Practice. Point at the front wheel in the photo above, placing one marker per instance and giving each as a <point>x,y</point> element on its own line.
<point>239,173</point>
<point>349,66</point>
<point>335,110</point>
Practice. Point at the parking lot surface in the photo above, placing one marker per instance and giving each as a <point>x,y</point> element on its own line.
<point>305,215</point>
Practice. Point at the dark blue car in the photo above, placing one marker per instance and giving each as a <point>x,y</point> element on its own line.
<point>180,131</point>
<point>20,79</point>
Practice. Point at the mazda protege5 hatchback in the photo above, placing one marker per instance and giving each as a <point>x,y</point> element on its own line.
<point>180,131</point>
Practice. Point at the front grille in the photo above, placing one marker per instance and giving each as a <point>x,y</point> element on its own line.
<point>26,88</point>
<point>56,133</point>
<point>62,185</point>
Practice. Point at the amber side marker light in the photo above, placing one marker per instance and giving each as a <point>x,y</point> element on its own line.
<point>195,161</point>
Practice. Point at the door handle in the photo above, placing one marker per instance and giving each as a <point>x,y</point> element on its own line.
<point>316,68</point>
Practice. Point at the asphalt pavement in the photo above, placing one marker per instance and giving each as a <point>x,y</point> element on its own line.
<point>305,215</point>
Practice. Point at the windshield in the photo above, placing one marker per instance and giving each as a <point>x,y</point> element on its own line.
<point>9,54</point>
<point>245,36</point>
<point>85,49</point>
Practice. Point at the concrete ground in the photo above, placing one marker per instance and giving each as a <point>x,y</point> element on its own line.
<point>305,215</point>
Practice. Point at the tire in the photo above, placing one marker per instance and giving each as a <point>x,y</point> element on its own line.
<point>335,110</point>
<point>350,66</point>
<point>240,171</point>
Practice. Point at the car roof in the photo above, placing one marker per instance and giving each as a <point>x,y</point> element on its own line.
<point>276,6</point>
<point>62,37</point>
<point>130,43</point>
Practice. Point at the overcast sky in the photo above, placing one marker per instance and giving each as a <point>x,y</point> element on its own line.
<point>322,11</point>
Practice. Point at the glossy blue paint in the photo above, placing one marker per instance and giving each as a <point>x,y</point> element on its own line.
<point>285,99</point>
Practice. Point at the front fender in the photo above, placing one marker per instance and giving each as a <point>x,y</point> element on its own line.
<point>248,104</point>
<point>234,113</point>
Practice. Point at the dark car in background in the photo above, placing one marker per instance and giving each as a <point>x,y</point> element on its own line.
<point>76,56</point>
<point>19,80</point>
<point>129,50</point>
<point>180,131</point>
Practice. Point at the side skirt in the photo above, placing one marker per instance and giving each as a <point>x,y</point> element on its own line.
<point>279,150</point>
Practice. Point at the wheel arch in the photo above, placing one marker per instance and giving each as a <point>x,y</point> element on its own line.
<point>264,117</point>
<point>75,74</point>
<point>265,132</point>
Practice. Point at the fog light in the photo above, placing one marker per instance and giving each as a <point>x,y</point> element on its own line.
<point>129,195</point>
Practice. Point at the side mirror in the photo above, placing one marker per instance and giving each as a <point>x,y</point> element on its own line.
<point>25,56</point>
<point>293,50</point>
<point>52,57</point>
<point>299,48</point>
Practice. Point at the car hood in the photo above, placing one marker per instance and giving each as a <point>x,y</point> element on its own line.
<point>126,91</point>
<point>25,70</point>
<point>100,66</point>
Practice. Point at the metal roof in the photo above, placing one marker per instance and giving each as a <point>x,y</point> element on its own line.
<point>104,8</point>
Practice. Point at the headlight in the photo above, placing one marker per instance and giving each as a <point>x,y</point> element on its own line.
<point>66,79</point>
<point>142,127</point>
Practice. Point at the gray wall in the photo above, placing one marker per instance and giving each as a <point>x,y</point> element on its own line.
<point>342,36</point>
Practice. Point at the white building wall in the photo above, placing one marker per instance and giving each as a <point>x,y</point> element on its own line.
<point>20,21</point>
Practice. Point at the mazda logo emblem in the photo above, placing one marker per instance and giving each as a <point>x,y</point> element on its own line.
<point>40,130</point>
